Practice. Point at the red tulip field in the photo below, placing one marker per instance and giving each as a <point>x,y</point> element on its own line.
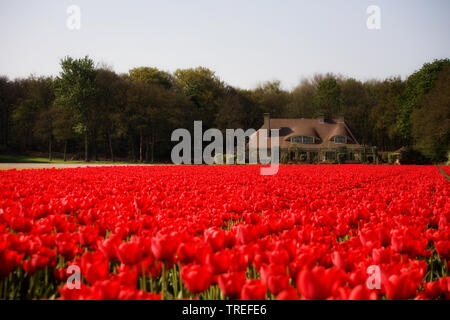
<point>225,232</point>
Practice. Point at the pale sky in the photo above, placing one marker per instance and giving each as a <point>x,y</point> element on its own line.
<point>245,41</point>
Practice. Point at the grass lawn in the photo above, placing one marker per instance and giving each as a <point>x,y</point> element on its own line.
<point>27,159</point>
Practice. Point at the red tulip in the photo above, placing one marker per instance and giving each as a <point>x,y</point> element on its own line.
<point>277,283</point>
<point>288,294</point>
<point>94,267</point>
<point>401,287</point>
<point>341,260</point>
<point>443,248</point>
<point>318,283</point>
<point>361,292</point>
<point>129,253</point>
<point>109,246</point>
<point>164,246</point>
<point>218,262</point>
<point>231,283</point>
<point>186,252</point>
<point>196,278</point>
<point>253,290</point>
<point>10,260</point>
<point>215,238</point>
<point>268,270</point>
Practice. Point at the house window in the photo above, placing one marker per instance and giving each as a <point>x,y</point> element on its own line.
<point>340,139</point>
<point>308,140</point>
<point>303,140</point>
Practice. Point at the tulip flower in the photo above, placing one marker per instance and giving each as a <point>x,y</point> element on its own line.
<point>196,278</point>
<point>231,283</point>
<point>253,290</point>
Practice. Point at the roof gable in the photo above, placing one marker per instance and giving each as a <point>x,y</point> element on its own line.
<point>323,132</point>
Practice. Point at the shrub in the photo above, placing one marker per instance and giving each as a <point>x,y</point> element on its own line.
<point>284,159</point>
<point>411,156</point>
<point>341,157</point>
<point>303,157</point>
<point>392,158</point>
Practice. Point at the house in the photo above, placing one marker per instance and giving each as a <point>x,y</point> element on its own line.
<point>317,140</point>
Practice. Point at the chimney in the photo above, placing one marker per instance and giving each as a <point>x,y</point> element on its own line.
<point>267,123</point>
<point>321,118</point>
<point>341,118</point>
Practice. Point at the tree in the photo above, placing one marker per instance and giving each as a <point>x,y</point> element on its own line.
<point>44,97</point>
<point>431,123</point>
<point>10,92</point>
<point>231,112</point>
<point>204,89</point>
<point>271,98</point>
<point>32,114</point>
<point>152,76</point>
<point>355,105</point>
<point>417,85</point>
<point>327,99</point>
<point>76,89</point>
<point>111,99</point>
<point>385,113</point>
<point>64,123</point>
<point>302,96</point>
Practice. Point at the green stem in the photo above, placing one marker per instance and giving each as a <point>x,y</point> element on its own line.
<point>5,285</point>
<point>144,282</point>
<point>164,282</point>
<point>175,281</point>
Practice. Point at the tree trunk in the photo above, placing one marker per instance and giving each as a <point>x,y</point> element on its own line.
<point>153,147</point>
<point>147,149</point>
<point>65,150</point>
<point>6,128</point>
<point>95,151</point>
<point>50,154</point>
<point>133,154</point>
<point>141,144</point>
<point>95,145</point>
<point>86,155</point>
<point>110,147</point>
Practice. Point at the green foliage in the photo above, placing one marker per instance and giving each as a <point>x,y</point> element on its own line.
<point>301,101</point>
<point>152,76</point>
<point>33,113</point>
<point>76,89</point>
<point>203,88</point>
<point>412,156</point>
<point>303,157</point>
<point>327,99</point>
<point>356,104</point>
<point>76,86</point>
<point>392,157</point>
<point>341,157</point>
<point>271,98</point>
<point>385,113</point>
<point>132,116</point>
<point>417,85</point>
<point>431,123</point>
<point>284,159</point>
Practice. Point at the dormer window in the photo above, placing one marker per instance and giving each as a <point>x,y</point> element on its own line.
<point>303,140</point>
<point>340,139</point>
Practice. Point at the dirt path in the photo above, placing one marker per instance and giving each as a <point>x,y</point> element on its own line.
<point>6,166</point>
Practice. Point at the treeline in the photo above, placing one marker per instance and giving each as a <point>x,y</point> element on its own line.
<point>91,112</point>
